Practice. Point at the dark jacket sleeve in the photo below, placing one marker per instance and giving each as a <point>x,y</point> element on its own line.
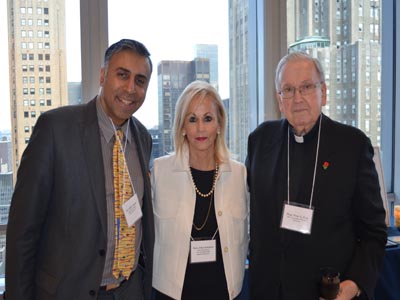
<point>369,225</point>
<point>28,212</point>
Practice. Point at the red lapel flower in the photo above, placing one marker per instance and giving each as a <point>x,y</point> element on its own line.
<point>325,165</point>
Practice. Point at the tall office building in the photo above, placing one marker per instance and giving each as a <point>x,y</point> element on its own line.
<point>173,77</point>
<point>6,190</point>
<point>5,154</point>
<point>239,106</point>
<point>37,65</point>
<point>346,36</point>
<point>155,150</point>
<point>6,181</point>
<point>74,93</point>
<point>209,51</point>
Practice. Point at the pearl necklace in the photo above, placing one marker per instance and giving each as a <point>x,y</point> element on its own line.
<point>213,185</point>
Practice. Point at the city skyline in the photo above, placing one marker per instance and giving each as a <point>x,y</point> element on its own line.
<point>179,44</point>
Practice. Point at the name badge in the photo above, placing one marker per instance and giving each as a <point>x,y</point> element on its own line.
<point>132,210</point>
<point>203,251</point>
<point>297,218</point>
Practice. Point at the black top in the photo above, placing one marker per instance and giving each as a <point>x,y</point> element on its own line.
<point>204,280</point>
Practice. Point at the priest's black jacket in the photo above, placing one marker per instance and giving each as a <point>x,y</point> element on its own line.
<point>348,231</point>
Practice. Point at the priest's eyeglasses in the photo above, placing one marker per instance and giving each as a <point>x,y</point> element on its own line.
<point>305,89</point>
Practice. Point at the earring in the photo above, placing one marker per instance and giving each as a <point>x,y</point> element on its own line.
<point>183,134</point>
<point>218,132</point>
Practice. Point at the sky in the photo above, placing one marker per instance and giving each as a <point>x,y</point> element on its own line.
<point>169,29</point>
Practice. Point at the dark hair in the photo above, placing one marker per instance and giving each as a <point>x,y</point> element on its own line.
<point>127,44</point>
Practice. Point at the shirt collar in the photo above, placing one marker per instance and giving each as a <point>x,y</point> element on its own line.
<point>106,126</point>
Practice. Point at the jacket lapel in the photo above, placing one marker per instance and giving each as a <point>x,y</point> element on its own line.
<point>91,144</point>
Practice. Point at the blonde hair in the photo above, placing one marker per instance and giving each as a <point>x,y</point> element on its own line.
<point>200,89</point>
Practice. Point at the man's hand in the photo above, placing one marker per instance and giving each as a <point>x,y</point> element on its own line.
<point>348,290</point>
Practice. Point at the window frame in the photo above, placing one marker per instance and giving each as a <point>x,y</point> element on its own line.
<point>265,43</point>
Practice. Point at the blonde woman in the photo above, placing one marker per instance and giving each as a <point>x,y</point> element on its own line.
<point>201,205</point>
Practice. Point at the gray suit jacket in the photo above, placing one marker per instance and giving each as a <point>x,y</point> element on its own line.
<point>57,230</point>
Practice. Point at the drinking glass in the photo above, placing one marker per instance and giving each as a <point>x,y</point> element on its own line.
<point>330,283</point>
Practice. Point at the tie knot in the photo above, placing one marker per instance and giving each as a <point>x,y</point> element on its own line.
<point>120,134</point>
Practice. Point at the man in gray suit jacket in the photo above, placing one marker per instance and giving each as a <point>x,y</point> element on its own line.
<point>60,235</point>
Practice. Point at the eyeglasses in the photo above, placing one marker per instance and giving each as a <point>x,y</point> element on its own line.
<point>305,89</point>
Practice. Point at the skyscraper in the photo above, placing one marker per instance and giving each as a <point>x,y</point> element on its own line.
<point>37,65</point>
<point>346,36</point>
<point>209,51</point>
<point>239,105</point>
<point>173,77</point>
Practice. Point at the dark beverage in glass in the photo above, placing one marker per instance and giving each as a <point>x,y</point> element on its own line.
<point>330,284</point>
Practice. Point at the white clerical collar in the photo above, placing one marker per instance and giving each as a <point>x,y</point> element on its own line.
<point>299,138</point>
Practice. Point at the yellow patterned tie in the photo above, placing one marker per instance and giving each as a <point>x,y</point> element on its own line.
<point>124,253</point>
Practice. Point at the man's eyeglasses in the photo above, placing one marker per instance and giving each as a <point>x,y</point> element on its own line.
<point>305,89</point>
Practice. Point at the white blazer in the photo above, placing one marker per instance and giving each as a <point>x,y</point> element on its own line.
<point>174,200</point>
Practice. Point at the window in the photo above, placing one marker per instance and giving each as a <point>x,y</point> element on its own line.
<point>264,105</point>
<point>33,102</point>
<point>205,40</point>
